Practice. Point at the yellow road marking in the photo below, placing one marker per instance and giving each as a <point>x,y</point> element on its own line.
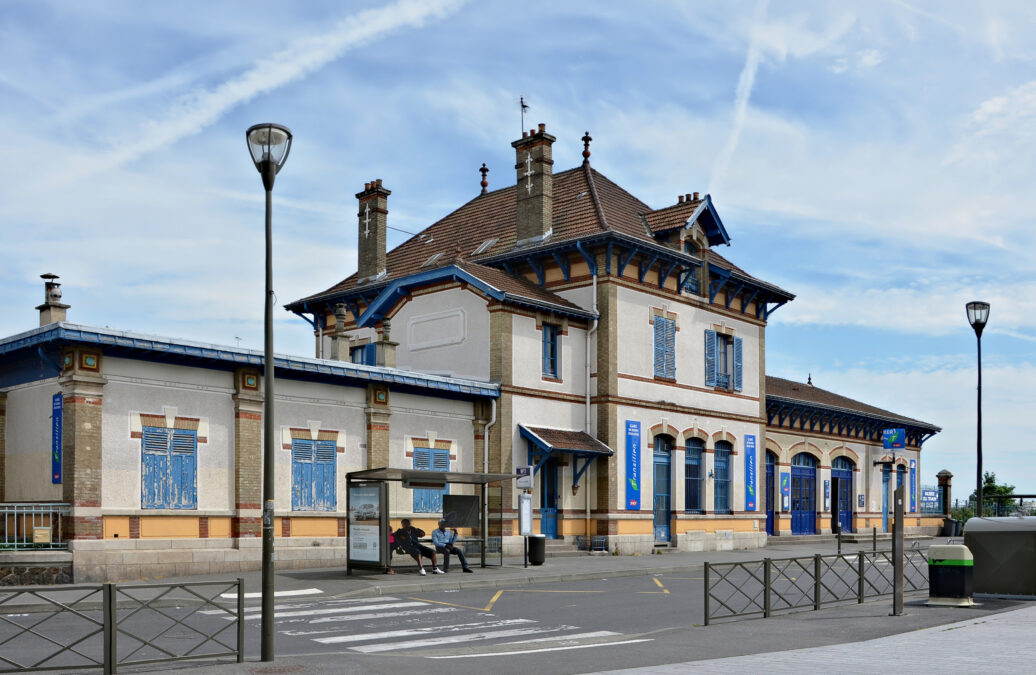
<point>495,597</point>
<point>659,583</point>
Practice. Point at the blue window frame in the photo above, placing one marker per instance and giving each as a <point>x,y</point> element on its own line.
<point>428,459</point>
<point>313,475</point>
<point>364,355</point>
<point>168,468</point>
<point>665,347</point>
<point>694,477</point>
<point>723,361</point>
<point>722,477</point>
<point>551,354</point>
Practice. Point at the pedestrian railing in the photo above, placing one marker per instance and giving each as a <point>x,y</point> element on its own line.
<point>32,526</point>
<point>762,588</point>
<point>104,626</point>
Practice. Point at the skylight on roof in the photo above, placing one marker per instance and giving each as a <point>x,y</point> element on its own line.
<point>431,261</point>
<point>485,246</point>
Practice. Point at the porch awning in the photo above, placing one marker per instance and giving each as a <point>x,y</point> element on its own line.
<point>551,442</point>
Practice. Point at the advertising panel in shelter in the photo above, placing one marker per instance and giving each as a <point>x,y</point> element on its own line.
<point>365,523</point>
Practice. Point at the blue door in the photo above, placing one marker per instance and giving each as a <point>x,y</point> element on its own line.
<point>771,490</point>
<point>842,474</point>
<point>662,456</point>
<point>549,499</point>
<point>886,474</point>
<point>803,494</point>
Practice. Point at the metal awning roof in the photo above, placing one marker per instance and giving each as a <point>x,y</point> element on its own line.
<point>546,441</point>
<point>416,476</point>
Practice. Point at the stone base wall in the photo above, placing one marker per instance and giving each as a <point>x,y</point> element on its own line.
<point>136,559</point>
<point>35,568</point>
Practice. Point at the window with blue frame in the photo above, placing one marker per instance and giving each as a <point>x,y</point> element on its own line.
<point>168,468</point>
<point>430,459</point>
<point>665,347</point>
<point>364,355</point>
<point>694,478</point>
<point>721,478</point>
<point>313,475</point>
<point>551,353</point>
<point>723,361</point>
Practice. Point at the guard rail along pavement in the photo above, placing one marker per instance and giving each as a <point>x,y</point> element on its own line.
<point>771,586</point>
<point>102,626</point>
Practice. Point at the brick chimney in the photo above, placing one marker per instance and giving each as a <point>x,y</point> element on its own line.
<point>373,223</point>
<point>51,311</point>
<point>535,168</point>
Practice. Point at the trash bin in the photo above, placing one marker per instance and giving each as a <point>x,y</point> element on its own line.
<point>1005,554</point>
<point>952,527</point>
<point>951,574</point>
<point>537,549</point>
<point>958,528</point>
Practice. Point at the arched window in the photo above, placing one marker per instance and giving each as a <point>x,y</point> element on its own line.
<point>843,464</point>
<point>804,459</point>
<point>694,476</point>
<point>722,477</point>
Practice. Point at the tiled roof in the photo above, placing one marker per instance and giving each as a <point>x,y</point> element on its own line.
<point>515,287</point>
<point>807,393</point>
<point>563,439</point>
<point>671,217</point>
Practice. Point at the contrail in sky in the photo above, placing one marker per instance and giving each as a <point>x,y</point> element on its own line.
<point>744,91</point>
<point>199,110</point>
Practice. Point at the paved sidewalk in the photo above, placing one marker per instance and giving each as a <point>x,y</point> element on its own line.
<point>995,643</point>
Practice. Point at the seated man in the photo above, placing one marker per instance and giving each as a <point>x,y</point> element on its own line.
<point>408,538</point>
<point>444,543</point>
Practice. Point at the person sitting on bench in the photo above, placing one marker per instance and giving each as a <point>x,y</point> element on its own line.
<point>408,538</point>
<point>444,543</point>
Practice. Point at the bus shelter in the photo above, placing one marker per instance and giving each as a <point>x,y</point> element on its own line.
<point>479,516</point>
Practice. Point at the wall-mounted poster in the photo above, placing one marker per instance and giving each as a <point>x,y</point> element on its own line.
<point>749,472</point>
<point>913,486</point>
<point>365,523</point>
<point>632,465</point>
<point>785,490</point>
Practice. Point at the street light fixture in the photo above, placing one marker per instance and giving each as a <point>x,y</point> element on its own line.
<point>269,145</point>
<point>978,314</point>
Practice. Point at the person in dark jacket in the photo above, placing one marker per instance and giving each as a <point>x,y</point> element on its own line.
<point>408,539</point>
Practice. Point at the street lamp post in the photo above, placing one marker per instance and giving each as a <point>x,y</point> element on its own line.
<point>269,145</point>
<point>978,314</point>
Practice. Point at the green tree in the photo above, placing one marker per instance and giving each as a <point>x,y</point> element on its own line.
<point>994,507</point>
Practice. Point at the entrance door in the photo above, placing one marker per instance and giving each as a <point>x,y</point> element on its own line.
<point>771,490</point>
<point>803,494</point>
<point>842,470</point>
<point>662,456</point>
<point>549,499</point>
<point>886,474</point>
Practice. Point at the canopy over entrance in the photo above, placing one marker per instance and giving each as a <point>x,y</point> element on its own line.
<point>548,442</point>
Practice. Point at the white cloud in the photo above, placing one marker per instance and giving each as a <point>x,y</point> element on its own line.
<point>839,66</point>
<point>869,58</point>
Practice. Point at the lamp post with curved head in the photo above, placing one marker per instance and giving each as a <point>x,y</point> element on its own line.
<point>269,145</point>
<point>978,314</point>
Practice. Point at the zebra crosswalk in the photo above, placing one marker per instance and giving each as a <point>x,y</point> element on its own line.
<point>389,624</point>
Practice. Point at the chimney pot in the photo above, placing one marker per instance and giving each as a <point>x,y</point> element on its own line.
<point>695,196</point>
<point>366,186</point>
<point>543,127</point>
<point>679,199</point>
<point>378,182</point>
<point>687,196</point>
<point>532,132</point>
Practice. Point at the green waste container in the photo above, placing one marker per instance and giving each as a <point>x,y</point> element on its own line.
<point>537,549</point>
<point>951,575</point>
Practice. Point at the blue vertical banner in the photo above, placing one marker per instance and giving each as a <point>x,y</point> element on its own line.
<point>55,438</point>
<point>750,473</point>
<point>913,486</point>
<point>632,465</point>
<point>785,490</point>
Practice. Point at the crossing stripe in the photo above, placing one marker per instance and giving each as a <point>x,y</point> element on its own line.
<point>385,615</point>
<point>536,651</point>
<point>577,636</point>
<point>276,594</point>
<point>334,610</point>
<point>449,639</point>
<point>414,632</point>
<point>303,605</point>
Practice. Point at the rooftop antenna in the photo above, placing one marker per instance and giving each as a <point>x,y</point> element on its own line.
<point>525,106</point>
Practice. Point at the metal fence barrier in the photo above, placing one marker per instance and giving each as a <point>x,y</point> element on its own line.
<point>778,585</point>
<point>32,526</point>
<point>103,626</point>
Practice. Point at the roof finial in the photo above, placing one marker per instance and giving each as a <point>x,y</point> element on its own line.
<point>586,147</point>
<point>524,106</point>
<point>809,380</point>
<point>485,183</point>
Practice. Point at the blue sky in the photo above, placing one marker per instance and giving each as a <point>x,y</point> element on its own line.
<point>874,158</point>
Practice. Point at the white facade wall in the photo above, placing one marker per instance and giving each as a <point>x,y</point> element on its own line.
<point>444,333</point>
<point>136,387</point>
<point>527,351</point>
<point>29,443</point>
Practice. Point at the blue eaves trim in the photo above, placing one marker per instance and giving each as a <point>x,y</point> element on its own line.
<point>399,288</point>
<point>191,352</point>
<point>707,215</point>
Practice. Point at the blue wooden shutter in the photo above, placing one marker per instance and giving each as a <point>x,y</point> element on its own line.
<point>659,347</point>
<point>427,459</point>
<point>370,354</point>
<point>324,476</point>
<point>301,474</point>
<point>183,470</point>
<point>670,347</point>
<point>710,358</point>
<point>154,468</point>
<point>737,364</point>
